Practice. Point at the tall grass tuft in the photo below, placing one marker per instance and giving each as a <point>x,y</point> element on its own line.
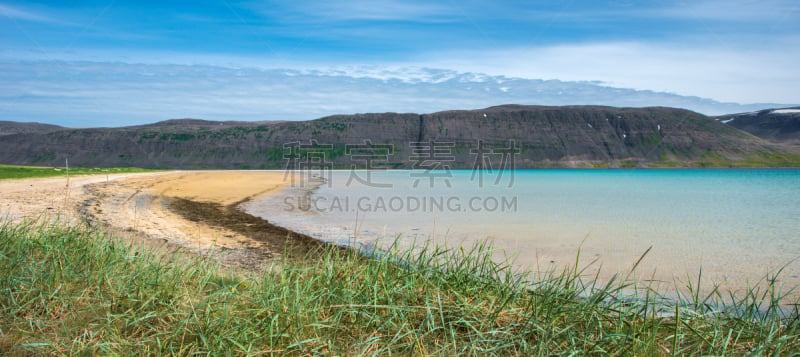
<point>80,291</point>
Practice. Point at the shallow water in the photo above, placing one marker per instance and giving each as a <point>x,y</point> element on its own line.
<point>734,225</point>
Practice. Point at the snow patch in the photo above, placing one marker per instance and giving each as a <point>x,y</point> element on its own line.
<point>786,111</point>
<point>727,121</point>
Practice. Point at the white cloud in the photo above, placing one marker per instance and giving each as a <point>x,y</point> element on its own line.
<point>116,94</point>
<point>764,74</point>
<point>743,73</point>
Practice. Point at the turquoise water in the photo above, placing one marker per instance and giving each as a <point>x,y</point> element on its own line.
<point>736,225</point>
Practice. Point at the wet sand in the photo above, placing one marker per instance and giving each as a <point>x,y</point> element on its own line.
<point>195,211</point>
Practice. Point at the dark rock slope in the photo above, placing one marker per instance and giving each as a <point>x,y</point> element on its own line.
<point>781,125</point>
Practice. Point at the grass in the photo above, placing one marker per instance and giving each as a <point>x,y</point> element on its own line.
<point>69,291</point>
<point>714,160</point>
<point>18,172</point>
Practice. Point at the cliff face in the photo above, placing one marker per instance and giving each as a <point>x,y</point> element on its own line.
<point>780,125</point>
<point>580,136</point>
<point>598,134</point>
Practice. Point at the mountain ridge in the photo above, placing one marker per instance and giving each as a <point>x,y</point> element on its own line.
<point>538,136</point>
<point>12,127</point>
<point>779,125</point>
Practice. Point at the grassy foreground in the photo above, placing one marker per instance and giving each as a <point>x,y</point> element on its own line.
<point>80,291</point>
<point>17,172</point>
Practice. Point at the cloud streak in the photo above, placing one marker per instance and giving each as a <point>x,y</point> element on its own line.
<point>729,10</point>
<point>18,14</point>
<point>21,14</point>
<point>626,10</point>
<point>359,10</point>
<point>117,94</point>
<point>762,74</point>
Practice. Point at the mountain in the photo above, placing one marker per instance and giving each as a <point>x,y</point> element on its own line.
<point>10,128</point>
<point>534,136</point>
<point>780,125</point>
<point>200,123</point>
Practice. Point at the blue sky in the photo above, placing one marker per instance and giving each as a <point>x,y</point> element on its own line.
<point>90,63</point>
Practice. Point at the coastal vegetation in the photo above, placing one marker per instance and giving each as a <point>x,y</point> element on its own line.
<point>17,172</point>
<point>80,290</point>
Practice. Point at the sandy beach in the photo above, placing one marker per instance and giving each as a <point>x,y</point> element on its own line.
<point>203,212</point>
<point>193,211</point>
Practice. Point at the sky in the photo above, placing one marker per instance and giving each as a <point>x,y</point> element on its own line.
<point>116,62</point>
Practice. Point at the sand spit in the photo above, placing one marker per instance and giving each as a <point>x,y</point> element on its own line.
<point>193,211</point>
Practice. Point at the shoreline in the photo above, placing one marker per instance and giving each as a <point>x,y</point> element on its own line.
<point>257,208</point>
<point>193,211</point>
<point>670,266</point>
<point>203,212</point>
